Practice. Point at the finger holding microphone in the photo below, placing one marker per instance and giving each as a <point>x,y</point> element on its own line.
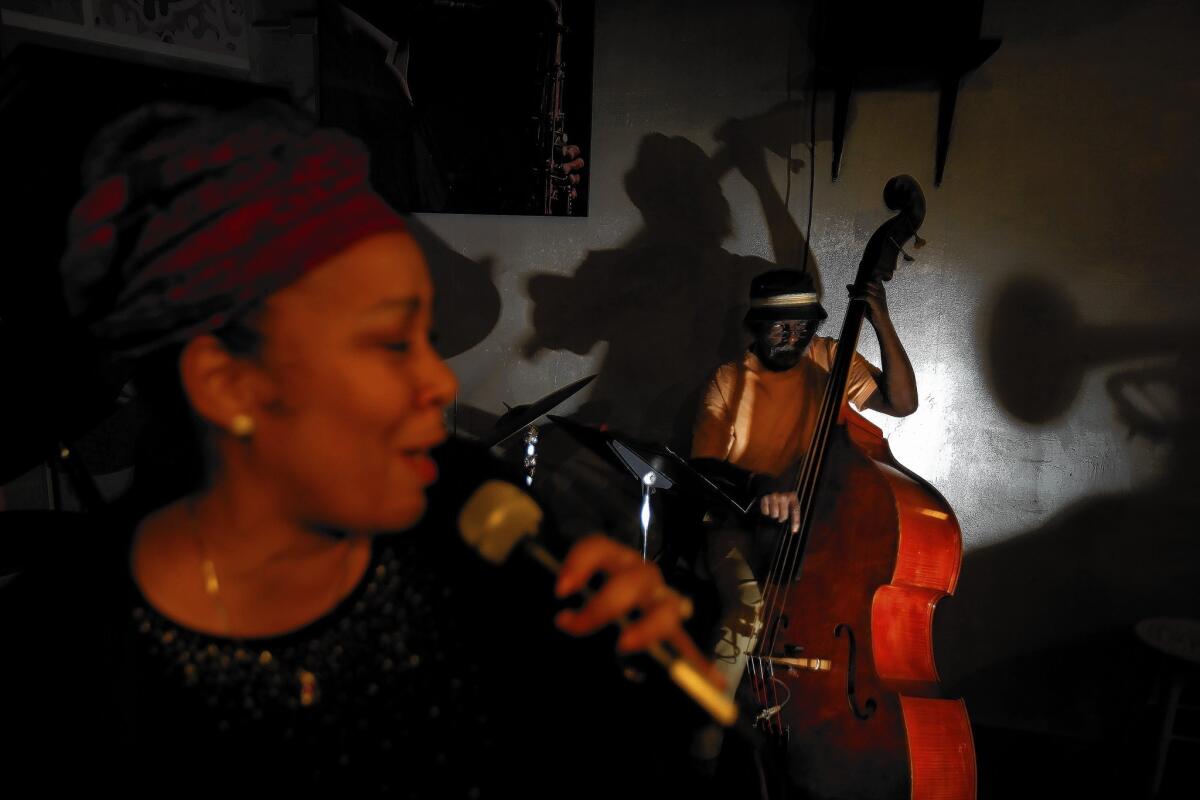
<point>634,596</point>
<point>500,518</point>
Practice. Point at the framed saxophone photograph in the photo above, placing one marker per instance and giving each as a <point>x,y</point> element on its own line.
<point>213,33</point>
<point>480,107</point>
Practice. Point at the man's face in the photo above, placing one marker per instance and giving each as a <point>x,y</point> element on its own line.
<point>779,344</point>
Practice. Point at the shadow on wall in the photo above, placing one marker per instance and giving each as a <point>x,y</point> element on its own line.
<point>669,304</point>
<point>466,302</point>
<point>1040,633</point>
<point>665,303</point>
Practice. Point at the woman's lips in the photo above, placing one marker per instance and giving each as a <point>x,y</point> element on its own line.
<point>424,466</point>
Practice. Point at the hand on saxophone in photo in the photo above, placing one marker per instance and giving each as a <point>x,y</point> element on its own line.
<point>572,165</point>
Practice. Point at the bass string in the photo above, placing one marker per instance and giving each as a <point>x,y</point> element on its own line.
<point>790,549</point>
<point>766,685</point>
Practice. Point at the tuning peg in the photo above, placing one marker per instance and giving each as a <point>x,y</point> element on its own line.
<point>896,244</point>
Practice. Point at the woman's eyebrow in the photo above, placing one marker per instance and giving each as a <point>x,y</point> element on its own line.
<point>408,306</point>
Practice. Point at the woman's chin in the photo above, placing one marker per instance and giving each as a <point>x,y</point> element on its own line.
<point>392,520</point>
<point>409,515</point>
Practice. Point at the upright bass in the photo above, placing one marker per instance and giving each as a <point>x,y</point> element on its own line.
<point>843,671</point>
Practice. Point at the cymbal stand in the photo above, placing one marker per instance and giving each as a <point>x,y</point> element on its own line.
<point>530,462</point>
<point>648,480</point>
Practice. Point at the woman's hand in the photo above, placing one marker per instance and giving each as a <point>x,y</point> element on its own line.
<point>632,585</point>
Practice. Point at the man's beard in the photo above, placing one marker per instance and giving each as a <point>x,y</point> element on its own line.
<point>780,358</point>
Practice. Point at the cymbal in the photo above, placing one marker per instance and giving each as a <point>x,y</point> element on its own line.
<point>520,417</point>
<point>670,471</point>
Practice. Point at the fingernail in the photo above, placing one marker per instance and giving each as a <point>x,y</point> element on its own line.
<point>686,608</point>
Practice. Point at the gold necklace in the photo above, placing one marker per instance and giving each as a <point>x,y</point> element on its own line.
<point>212,585</point>
<point>309,688</point>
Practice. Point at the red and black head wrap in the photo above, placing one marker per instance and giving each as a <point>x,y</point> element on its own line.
<point>190,216</point>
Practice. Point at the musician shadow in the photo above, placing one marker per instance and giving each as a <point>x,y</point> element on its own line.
<point>668,304</point>
<point>1039,637</point>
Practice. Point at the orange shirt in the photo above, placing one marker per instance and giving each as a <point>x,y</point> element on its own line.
<point>762,421</point>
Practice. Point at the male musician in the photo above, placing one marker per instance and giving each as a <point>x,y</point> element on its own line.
<point>758,414</point>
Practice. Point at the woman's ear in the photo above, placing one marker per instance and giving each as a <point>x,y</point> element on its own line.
<point>218,385</point>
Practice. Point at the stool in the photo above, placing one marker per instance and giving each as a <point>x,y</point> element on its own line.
<point>1179,640</point>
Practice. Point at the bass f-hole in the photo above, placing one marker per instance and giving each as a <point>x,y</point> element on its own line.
<point>851,669</point>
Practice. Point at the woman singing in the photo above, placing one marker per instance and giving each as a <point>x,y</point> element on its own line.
<point>249,620</point>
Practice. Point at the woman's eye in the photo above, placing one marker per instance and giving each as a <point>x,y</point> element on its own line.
<point>398,347</point>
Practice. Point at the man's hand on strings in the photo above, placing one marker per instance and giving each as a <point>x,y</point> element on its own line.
<point>781,507</point>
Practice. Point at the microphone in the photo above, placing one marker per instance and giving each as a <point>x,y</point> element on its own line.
<point>498,518</point>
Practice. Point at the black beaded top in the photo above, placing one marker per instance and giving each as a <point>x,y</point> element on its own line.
<point>437,677</point>
<point>384,680</point>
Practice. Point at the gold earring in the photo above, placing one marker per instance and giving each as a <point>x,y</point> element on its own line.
<point>242,426</point>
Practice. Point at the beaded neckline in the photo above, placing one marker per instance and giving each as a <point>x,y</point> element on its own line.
<point>297,659</point>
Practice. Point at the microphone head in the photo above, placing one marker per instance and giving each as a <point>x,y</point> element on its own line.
<point>496,517</point>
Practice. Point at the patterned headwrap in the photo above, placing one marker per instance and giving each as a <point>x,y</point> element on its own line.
<point>190,216</point>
